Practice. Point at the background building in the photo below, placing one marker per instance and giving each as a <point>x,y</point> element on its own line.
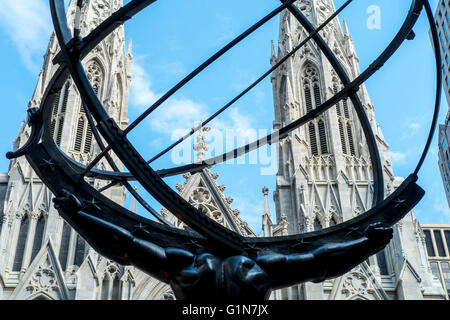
<point>442,18</point>
<point>437,237</point>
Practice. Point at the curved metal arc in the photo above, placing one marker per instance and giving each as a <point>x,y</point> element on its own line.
<point>106,27</point>
<point>63,34</point>
<point>388,212</point>
<point>438,58</point>
<point>221,236</point>
<point>255,83</point>
<point>207,63</point>
<point>146,172</point>
<point>378,193</point>
<point>283,132</point>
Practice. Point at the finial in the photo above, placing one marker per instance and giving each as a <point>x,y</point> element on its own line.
<point>201,147</point>
<point>265,191</point>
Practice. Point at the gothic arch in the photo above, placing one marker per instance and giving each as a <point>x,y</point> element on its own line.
<point>83,136</point>
<point>96,74</point>
<point>312,92</point>
<point>59,112</point>
<point>40,296</point>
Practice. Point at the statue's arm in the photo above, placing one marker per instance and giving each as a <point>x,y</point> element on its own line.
<point>120,245</point>
<point>328,261</point>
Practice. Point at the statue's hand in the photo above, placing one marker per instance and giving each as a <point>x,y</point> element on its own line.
<point>376,233</point>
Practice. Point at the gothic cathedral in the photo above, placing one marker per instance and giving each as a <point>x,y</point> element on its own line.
<point>324,178</point>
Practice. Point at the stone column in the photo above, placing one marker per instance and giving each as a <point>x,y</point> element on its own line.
<point>12,244</point>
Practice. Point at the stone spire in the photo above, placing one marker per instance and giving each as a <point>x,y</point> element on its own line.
<point>267,224</point>
<point>265,191</point>
<point>201,146</point>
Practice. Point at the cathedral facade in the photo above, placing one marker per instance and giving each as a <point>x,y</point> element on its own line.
<point>324,168</point>
<point>324,178</point>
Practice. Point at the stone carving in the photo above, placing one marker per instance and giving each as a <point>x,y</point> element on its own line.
<point>201,199</point>
<point>44,280</point>
<point>356,284</point>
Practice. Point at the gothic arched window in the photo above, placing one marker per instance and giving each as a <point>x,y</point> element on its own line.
<point>38,236</point>
<point>313,99</point>
<point>322,137</point>
<point>83,134</point>
<point>344,122</point>
<point>79,250</point>
<point>332,222</point>
<point>58,113</point>
<point>382,263</point>
<point>105,288</point>
<point>111,286</point>
<point>64,246</point>
<point>317,224</point>
<point>115,295</point>
<point>313,139</point>
<point>21,242</point>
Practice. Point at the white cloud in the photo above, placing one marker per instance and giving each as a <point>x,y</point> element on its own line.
<point>398,157</point>
<point>178,115</point>
<point>175,116</point>
<point>442,208</point>
<point>142,96</point>
<point>415,126</point>
<point>28,25</point>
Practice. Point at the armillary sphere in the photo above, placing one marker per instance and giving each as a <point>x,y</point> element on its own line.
<point>207,261</point>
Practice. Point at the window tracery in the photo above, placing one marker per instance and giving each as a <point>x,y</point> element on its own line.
<point>313,99</point>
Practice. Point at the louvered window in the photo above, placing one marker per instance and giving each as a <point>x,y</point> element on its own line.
<point>350,139</point>
<point>346,112</point>
<point>317,98</point>
<point>342,135</point>
<point>313,139</point>
<point>345,127</point>
<point>88,140</point>
<point>58,114</point>
<point>79,134</point>
<point>308,100</point>
<point>60,130</point>
<point>338,105</point>
<point>313,100</point>
<point>84,135</point>
<point>323,138</point>
<point>56,104</point>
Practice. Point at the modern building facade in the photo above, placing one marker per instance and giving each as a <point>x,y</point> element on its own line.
<point>437,238</point>
<point>444,154</point>
<point>324,178</point>
<point>442,19</point>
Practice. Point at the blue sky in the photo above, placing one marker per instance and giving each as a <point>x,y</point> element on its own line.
<point>168,43</point>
